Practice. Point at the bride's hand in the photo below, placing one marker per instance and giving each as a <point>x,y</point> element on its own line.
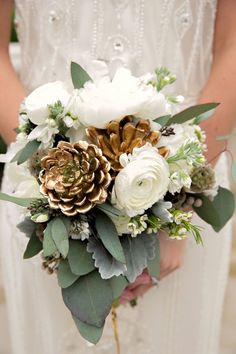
<point>172,256</point>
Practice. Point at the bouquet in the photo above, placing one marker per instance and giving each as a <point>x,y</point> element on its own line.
<point>109,165</point>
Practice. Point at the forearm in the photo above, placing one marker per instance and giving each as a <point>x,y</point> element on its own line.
<point>12,93</point>
<point>221,86</point>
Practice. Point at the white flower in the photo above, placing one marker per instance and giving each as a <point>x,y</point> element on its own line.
<point>121,224</point>
<point>125,95</point>
<point>142,182</point>
<point>36,104</point>
<point>183,132</point>
<point>178,180</point>
<point>23,183</point>
<point>19,144</point>
<point>44,133</point>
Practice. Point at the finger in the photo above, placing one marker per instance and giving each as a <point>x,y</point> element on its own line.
<point>141,290</point>
<point>144,278</point>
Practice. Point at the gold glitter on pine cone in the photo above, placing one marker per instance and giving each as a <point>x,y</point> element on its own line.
<point>75,177</point>
<point>123,137</point>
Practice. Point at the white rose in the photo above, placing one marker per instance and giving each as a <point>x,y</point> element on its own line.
<point>113,100</point>
<point>36,104</point>
<point>142,182</point>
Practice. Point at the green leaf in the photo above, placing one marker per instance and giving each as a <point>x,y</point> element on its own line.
<point>89,299</point>
<point>79,76</point>
<point>109,236</point>
<point>49,246</point>
<point>24,202</point>
<point>80,260</point>
<point>163,120</point>
<point>64,275</point>
<point>91,333</point>
<point>27,226</point>
<point>138,251</point>
<point>154,264</point>
<point>191,112</point>
<point>219,211</point>
<point>118,285</point>
<point>204,116</point>
<point>109,209</point>
<point>107,265</point>
<point>23,155</point>
<point>60,236</point>
<point>33,247</point>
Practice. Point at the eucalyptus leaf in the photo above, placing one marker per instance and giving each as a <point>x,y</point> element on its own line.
<point>79,76</point>
<point>89,299</point>
<point>154,264</point>
<point>24,202</point>
<point>107,265</point>
<point>65,276</point>
<point>60,236</point>
<point>27,226</point>
<point>191,112</point>
<point>34,246</point>
<point>80,260</point>
<point>163,120</point>
<point>109,209</point>
<point>109,236</point>
<point>219,211</point>
<point>118,285</point>
<point>49,246</point>
<point>23,155</point>
<point>204,116</point>
<point>91,333</point>
<point>138,251</point>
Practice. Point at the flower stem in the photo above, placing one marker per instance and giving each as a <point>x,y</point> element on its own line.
<point>115,329</point>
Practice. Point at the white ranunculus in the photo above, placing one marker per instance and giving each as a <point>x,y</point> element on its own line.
<point>142,182</point>
<point>36,104</point>
<point>125,95</point>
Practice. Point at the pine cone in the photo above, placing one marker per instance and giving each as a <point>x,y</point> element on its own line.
<point>203,178</point>
<point>75,177</point>
<point>123,137</point>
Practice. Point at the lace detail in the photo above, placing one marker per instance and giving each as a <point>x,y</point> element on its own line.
<point>139,34</point>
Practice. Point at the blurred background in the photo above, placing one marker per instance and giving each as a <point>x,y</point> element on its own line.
<point>228,333</point>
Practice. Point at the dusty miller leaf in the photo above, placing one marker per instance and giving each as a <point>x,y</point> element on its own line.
<point>107,265</point>
<point>138,251</point>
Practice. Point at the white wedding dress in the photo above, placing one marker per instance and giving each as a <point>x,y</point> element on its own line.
<point>181,315</point>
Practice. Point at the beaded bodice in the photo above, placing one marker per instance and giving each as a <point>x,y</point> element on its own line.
<point>140,34</point>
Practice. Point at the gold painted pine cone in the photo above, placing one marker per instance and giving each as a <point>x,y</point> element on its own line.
<point>75,177</point>
<point>123,137</point>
